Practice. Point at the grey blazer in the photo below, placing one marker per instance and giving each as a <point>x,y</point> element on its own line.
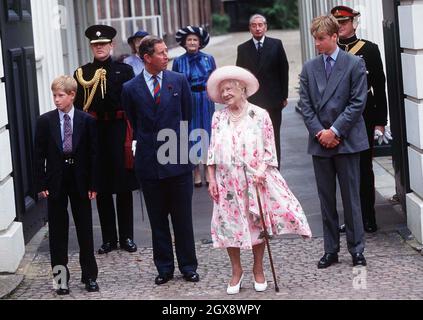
<point>338,102</point>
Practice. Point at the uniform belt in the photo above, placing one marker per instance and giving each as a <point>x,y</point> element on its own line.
<point>109,116</point>
<point>198,88</point>
<point>69,159</point>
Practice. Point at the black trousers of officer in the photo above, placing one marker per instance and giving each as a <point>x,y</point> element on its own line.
<point>276,117</point>
<point>58,219</point>
<point>171,196</point>
<point>367,179</point>
<point>107,213</point>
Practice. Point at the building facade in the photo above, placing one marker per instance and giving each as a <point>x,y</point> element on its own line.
<point>410,14</point>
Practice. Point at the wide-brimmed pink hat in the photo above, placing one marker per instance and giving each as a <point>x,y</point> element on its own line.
<point>230,73</point>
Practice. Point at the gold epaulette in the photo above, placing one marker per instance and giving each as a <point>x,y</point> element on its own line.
<point>90,87</point>
<point>360,44</point>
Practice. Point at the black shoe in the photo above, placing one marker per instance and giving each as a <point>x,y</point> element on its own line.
<point>198,185</point>
<point>370,227</point>
<point>91,285</point>
<point>163,278</point>
<point>327,260</point>
<point>358,259</point>
<point>128,245</point>
<point>342,228</point>
<point>107,247</point>
<point>62,292</point>
<point>191,276</point>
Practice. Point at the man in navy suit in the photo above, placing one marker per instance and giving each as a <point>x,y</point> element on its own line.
<point>333,92</point>
<point>157,101</point>
<point>65,168</point>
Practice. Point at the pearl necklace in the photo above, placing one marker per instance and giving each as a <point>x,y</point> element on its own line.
<point>236,117</point>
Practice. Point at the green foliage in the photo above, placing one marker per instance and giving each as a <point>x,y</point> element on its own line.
<point>280,14</point>
<point>220,24</point>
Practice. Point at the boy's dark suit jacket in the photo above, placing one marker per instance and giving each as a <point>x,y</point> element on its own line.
<point>49,157</point>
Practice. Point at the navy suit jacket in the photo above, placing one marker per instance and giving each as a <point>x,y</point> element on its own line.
<point>48,153</point>
<point>148,120</point>
<point>338,102</point>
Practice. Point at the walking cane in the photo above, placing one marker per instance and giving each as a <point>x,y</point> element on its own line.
<point>266,236</point>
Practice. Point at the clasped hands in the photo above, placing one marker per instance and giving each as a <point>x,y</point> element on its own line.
<point>259,178</point>
<point>45,194</point>
<point>328,139</point>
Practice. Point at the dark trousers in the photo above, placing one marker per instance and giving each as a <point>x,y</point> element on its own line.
<point>125,216</point>
<point>276,117</point>
<point>58,219</point>
<point>347,168</point>
<point>367,180</point>
<point>171,196</point>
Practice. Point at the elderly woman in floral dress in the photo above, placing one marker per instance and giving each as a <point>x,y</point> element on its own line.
<point>241,156</point>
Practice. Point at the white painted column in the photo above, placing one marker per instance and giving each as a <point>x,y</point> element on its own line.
<point>411,25</point>
<point>48,19</point>
<point>12,246</point>
<point>370,26</point>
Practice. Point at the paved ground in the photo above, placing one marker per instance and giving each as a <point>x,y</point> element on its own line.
<point>394,269</point>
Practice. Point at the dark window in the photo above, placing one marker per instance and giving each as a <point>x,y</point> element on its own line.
<point>26,9</point>
<point>13,10</point>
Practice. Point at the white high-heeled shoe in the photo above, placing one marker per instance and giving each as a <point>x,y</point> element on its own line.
<point>260,287</point>
<point>235,289</point>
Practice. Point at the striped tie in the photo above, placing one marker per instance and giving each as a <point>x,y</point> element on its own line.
<point>156,91</point>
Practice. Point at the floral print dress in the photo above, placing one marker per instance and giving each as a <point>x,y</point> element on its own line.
<point>237,152</point>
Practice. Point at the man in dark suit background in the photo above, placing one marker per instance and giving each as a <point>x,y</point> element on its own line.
<point>65,167</point>
<point>265,57</point>
<point>333,92</point>
<point>158,100</point>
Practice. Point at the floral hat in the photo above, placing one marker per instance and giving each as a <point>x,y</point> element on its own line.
<point>231,73</point>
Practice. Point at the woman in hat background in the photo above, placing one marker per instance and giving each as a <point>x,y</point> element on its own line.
<point>197,67</point>
<point>241,156</point>
<point>135,60</point>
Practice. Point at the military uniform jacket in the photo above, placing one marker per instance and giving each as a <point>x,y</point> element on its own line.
<point>376,111</point>
<point>112,127</point>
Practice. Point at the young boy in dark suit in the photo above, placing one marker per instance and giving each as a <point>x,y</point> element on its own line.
<point>65,157</point>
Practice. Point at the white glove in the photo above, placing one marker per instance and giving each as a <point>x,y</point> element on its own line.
<point>134,146</point>
<point>382,138</point>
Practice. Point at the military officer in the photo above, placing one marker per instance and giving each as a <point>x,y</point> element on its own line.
<point>99,93</point>
<point>375,113</point>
